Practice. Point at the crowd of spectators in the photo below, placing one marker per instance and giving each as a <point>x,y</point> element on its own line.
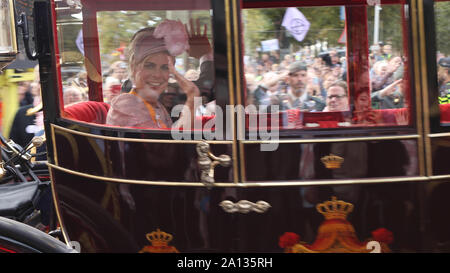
<point>301,81</point>
<point>115,81</point>
<point>309,83</point>
<point>443,78</point>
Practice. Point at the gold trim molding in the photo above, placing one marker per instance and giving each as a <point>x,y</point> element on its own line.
<point>231,89</point>
<point>337,139</point>
<point>247,184</point>
<point>424,85</point>
<point>58,214</point>
<point>437,135</point>
<point>439,177</point>
<point>171,141</point>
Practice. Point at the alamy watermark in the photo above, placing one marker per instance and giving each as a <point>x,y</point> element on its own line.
<point>262,124</point>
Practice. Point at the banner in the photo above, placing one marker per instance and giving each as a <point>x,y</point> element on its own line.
<point>270,45</point>
<point>296,23</point>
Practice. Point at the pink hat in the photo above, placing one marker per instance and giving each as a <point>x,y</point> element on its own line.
<point>147,45</point>
<point>169,35</point>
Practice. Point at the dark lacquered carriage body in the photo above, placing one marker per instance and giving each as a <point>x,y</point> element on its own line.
<point>124,189</point>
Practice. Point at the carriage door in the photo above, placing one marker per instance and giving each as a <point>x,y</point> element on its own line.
<point>436,85</point>
<point>330,111</point>
<point>117,185</point>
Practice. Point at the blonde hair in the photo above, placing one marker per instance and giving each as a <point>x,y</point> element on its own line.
<point>132,50</point>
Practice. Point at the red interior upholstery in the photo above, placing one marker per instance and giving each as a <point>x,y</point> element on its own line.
<point>294,118</point>
<point>88,111</point>
<point>388,116</point>
<point>95,112</point>
<point>445,112</point>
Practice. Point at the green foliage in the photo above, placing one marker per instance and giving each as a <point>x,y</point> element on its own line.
<point>264,24</point>
<point>67,36</point>
<point>325,25</point>
<point>256,29</point>
<point>68,29</point>
<point>115,28</point>
<point>442,19</point>
<point>390,30</point>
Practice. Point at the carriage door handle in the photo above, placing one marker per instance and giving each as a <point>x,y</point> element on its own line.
<point>207,162</point>
<point>244,206</point>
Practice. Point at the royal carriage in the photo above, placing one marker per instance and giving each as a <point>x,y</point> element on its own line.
<point>242,179</point>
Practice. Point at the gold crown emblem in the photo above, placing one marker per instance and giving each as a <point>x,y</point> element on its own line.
<point>334,209</point>
<point>159,238</point>
<point>332,161</point>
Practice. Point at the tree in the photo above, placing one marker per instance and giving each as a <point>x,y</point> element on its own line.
<point>256,29</point>
<point>264,24</point>
<point>116,28</point>
<point>129,22</point>
<point>390,30</point>
<point>442,19</point>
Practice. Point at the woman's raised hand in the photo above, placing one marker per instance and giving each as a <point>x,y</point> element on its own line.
<point>402,116</point>
<point>187,115</point>
<point>198,42</point>
<point>171,65</point>
<point>186,85</point>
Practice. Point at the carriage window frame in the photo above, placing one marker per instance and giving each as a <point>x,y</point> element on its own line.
<point>433,110</point>
<point>410,128</point>
<point>214,34</point>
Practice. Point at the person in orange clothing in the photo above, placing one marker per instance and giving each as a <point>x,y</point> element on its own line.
<point>151,61</point>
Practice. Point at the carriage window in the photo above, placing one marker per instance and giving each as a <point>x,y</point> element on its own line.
<point>138,65</point>
<point>312,67</point>
<point>442,20</point>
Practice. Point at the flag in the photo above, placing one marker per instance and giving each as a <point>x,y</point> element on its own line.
<point>79,42</point>
<point>296,23</point>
